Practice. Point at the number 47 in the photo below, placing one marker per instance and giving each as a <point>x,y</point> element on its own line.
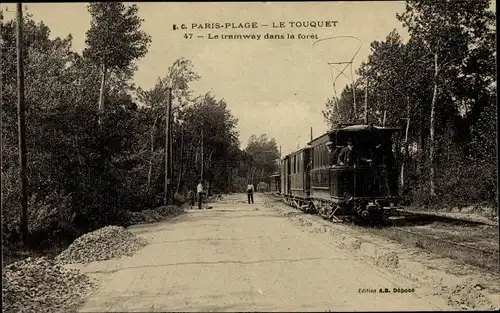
<point>188,36</point>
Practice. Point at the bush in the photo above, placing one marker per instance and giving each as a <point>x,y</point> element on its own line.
<point>11,206</point>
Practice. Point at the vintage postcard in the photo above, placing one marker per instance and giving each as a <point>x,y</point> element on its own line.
<point>249,156</point>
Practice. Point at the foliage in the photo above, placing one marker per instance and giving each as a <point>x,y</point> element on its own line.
<point>82,175</point>
<point>114,37</point>
<point>262,155</point>
<point>220,142</point>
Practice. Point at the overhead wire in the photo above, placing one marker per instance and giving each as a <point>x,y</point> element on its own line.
<point>341,72</point>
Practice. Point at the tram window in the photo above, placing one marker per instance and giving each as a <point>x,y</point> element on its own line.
<point>313,156</point>
<point>301,163</point>
<point>320,163</point>
<point>299,169</point>
<point>315,162</point>
<point>320,156</point>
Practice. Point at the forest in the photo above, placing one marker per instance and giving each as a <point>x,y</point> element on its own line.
<point>440,88</point>
<point>96,142</point>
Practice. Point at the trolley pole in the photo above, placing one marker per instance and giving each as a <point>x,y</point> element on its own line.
<point>21,120</point>
<point>167,147</point>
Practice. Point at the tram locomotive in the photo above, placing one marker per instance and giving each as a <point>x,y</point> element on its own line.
<point>337,192</point>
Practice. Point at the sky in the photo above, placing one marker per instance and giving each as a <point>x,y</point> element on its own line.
<point>272,86</point>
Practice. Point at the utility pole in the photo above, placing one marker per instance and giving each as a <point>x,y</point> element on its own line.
<point>21,121</point>
<point>167,147</point>
<point>311,133</point>
<point>353,97</point>
<point>366,102</point>
<point>170,145</point>
<point>201,173</point>
<point>1,89</point>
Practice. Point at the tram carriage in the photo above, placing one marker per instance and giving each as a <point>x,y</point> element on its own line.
<point>298,180</point>
<point>359,191</point>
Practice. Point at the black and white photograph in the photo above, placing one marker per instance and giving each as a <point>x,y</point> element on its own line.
<point>328,156</point>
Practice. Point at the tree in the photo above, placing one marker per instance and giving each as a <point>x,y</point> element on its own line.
<point>445,28</point>
<point>398,87</point>
<point>341,110</point>
<point>263,153</point>
<point>179,77</point>
<point>101,167</point>
<point>220,141</point>
<point>114,39</point>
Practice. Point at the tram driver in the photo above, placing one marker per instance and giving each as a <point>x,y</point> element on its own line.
<point>348,157</point>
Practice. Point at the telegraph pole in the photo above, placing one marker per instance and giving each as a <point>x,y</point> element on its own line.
<point>1,89</point>
<point>171,140</point>
<point>167,146</point>
<point>366,102</point>
<point>201,174</point>
<point>21,120</point>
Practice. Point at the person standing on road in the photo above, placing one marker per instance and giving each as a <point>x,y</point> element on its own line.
<point>199,192</point>
<point>250,192</point>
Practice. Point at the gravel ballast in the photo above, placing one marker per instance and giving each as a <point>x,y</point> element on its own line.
<point>45,285</point>
<point>103,244</point>
<point>154,215</point>
<point>42,285</point>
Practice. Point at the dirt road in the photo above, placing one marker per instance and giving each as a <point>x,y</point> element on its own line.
<point>241,257</point>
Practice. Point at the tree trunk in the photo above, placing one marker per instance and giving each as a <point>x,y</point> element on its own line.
<point>405,156</point>
<point>101,92</point>
<point>150,170</point>
<point>432,142</point>
<point>181,161</point>
<point>420,157</point>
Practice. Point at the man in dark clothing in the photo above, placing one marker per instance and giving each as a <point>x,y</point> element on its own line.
<point>348,157</point>
<point>199,192</point>
<point>332,153</point>
<point>250,190</point>
<point>385,156</point>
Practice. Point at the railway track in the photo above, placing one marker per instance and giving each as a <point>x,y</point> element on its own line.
<point>472,252</point>
<point>470,241</point>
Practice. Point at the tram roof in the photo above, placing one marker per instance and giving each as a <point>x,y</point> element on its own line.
<point>356,128</point>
